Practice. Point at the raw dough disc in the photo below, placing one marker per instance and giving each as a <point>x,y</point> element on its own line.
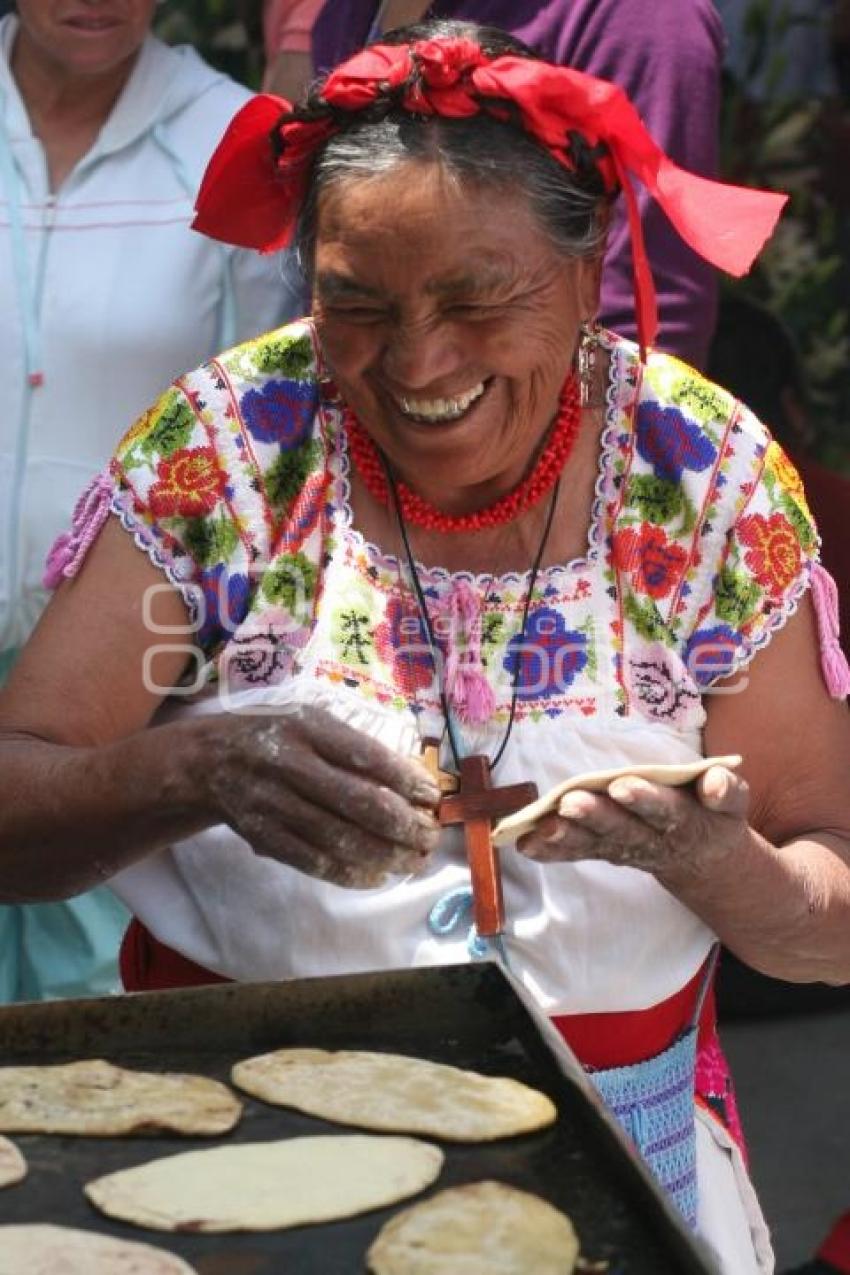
<point>673,776</point>
<point>486,1228</point>
<point>395,1094</point>
<point>96,1099</point>
<point>13,1166</point>
<point>266,1186</point>
<point>37,1249</point>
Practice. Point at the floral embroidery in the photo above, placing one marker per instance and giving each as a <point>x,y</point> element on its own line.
<point>773,551</point>
<point>551,657</point>
<point>711,653</point>
<point>655,563</point>
<point>281,412</point>
<point>671,443</point>
<point>291,582</point>
<point>173,427</point>
<point>352,633</point>
<point>226,598</point>
<point>661,686</point>
<point>287,476</point>
<point>261,656</point>
<point>402,643</point>
<point>786,474</point>
<point>700,547</point>
<point>189,484</point>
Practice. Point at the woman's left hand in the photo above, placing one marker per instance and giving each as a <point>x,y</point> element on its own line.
<point>674,833</point>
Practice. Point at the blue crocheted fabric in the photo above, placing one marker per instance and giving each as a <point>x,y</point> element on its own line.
<point>654,1103</point>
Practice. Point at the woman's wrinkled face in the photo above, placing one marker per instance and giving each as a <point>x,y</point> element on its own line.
<point>449,322</point>
<point>86,37</point>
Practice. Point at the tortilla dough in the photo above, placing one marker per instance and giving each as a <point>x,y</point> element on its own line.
<point>485,1228</point>
<point>13,1166</point>
<point>675,776</point>
<point>95,1099</point>
<point>267,1186</point>
<point>46,1250</point>
<point>395,1094</point>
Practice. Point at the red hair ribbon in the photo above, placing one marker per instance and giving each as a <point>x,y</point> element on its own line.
<point>251,197</point>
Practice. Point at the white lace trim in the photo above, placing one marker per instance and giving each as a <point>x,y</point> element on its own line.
<point>144,539</point>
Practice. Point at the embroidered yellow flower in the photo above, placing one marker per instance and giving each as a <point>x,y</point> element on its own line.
<point>786,475</point>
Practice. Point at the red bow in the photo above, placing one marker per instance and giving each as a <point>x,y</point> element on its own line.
<point>250,198</point>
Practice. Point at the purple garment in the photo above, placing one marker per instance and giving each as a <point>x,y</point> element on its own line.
<point>667,56</point>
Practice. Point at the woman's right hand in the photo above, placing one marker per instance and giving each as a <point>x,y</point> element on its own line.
<point>308,790</point>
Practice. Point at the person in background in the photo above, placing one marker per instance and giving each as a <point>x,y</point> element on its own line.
<point>287,32</point>
<point>105,294</point>
<point>666,55</point>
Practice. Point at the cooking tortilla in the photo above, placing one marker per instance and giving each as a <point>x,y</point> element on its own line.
<point>522,821</point>
<point>35,1249</point>
<point>268,1186</point>
<point>395,1094</point>
<point>486,1228</point>
<point>13,1166</point>
<point>95,1099</point>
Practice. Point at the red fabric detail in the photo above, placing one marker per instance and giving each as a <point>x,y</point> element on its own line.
<point>619,1039</point>
<point>247,198</point>
<point>836,1247</point>
<point>147,965</point>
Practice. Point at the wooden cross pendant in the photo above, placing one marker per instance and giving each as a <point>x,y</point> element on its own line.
<point>476,806</point>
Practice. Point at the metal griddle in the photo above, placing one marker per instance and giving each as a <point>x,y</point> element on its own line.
<point>469,1015</point>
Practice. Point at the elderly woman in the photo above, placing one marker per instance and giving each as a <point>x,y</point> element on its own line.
<point>448,507</point>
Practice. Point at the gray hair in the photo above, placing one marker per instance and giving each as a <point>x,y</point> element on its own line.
<point>571,208</point>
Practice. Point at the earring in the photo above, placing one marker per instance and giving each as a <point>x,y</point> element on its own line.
<point>588,342</point>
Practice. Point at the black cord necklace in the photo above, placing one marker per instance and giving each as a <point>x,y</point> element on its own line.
<point>422,605</point>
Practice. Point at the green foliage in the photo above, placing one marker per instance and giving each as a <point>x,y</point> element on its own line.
<point>227,33</point>
<point>286,476</point>
<point>646,618</point>
<point>173,429</point>
<point>737,597</point>
<point>803,275</point>
<point>292,358</point>
<point>211,540</point>
<point>291,582</point>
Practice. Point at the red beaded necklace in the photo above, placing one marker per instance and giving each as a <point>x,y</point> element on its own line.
<point>532,489</point>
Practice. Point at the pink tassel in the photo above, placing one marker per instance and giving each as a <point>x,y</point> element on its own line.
<point>472,695</point>
<point>69,549</point>
<point>469,692</point>
<point>836,672</point>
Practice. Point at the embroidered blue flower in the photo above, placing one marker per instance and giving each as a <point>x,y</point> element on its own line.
<point>551,656</point>
<point>281,412</point>
<point>671,443</point>
<point>226,598</point>
<point>710,653</point>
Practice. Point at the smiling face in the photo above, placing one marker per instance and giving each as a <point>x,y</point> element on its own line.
<point>449,322</point>
<point>84,37</point>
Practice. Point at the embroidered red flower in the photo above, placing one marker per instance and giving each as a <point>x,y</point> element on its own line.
<point>188,485</point>
<point>772,551</point>
<point>655,563</point>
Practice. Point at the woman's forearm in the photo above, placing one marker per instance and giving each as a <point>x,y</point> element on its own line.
<point>783,910</point>
<point>72,817</point>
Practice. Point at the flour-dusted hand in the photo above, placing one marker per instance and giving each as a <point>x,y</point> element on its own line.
<point>309,790</point>
<point>672,832</point>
